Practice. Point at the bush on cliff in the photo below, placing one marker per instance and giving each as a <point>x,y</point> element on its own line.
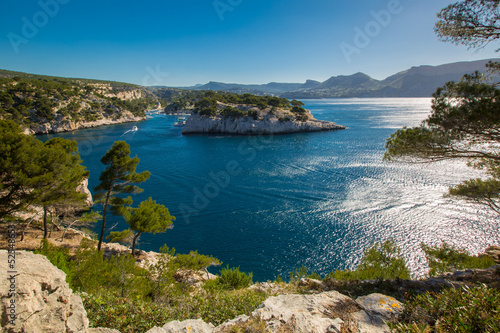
<point>448,258</point>
<point>230,279</point>
<point>380,262</point>
<point>454,310</point>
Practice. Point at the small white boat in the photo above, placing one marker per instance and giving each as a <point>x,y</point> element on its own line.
<point>134,128</point>
<point>180,122</point>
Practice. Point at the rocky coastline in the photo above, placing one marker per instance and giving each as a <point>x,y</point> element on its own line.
<point>268,125</point>
<point>59,126</point>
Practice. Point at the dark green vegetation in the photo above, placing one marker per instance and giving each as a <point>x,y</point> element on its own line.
<point>448,258</point>
<point>28,99</point>
<point>149,217</point>
<point>465,118</point>
<point>210,103</point>
<point>473,23</point>
<point>381,262</point>
<point>454,310</point>
<point>38,174</point>
<point>118,178</point>
<point>464,124</point>
<point>121,295</point>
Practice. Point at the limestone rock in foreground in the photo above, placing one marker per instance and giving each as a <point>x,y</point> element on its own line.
<point>43,301</point>
<point>197,124</point>
<point>327,312</point>
<point>321,313</point>
<point>103,330</point>
<point>494,253</point>
<point>187,326</point>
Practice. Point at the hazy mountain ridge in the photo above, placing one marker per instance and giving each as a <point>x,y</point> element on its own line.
<point>418,81</point>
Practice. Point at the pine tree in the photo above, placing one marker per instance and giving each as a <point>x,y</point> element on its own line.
<point>465,118</point>
<point>118,178</point>
<point>18,166</point>
<point>149,217</point>
<point>60,174</point>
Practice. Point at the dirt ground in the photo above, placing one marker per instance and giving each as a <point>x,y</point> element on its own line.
<point>34,235</point>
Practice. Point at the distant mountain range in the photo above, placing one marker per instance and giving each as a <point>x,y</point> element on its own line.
<point>421,81</point>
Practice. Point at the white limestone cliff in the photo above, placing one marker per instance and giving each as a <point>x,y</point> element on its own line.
<point>197,124</point>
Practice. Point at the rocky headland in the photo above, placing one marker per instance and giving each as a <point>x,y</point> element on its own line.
<point>245,120</point>
<point>58,126</point>
<point>197,124</point>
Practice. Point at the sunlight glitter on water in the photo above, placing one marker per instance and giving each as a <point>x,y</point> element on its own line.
<point>312,199</point>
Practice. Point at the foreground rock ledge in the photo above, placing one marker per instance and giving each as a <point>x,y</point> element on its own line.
<point>197,124</point>
<point>321,313</point>
<point>42,301</point>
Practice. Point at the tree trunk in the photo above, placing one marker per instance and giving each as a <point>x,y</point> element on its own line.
<point>45,229</point>
<point>25,228</point>
<point>133,242</point>
<point>103,228</point>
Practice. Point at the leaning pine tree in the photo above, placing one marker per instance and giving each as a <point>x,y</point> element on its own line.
<point>118,178</point>
<point>465,118</point>
<point>149,217</point>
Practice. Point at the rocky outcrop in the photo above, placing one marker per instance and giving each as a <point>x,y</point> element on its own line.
<point>197,124</point>
<point>84,188</point>
<point>37,298</point>
<point>68,126</point>
<point>194,278</point>
<point>320,313</point>
<point>494,253</point>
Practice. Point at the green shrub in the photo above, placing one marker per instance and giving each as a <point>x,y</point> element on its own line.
<point>194,261</point>
<point>302,272</point>
<point>380,262</point>
<point>447,258</point>
<point>92,273</point>
<point>58,256</point>
<point>135,315</point>
<point>217,307</point>
<point>212,111</point>
<point>298,110</point>
<point>302,117</point>
<point>254,114</point>
<point>231,112</point>
<point>453,310</point>
<point>232,278</point>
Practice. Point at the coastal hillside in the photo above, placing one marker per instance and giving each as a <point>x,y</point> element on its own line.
<point>418,81</point>
<point>45,104</point>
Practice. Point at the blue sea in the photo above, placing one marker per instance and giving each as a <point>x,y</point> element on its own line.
<point>272,204</point>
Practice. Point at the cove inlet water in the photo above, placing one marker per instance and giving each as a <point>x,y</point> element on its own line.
<point>272,204</point>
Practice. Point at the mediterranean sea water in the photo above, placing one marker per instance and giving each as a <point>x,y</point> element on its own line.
<point>273,204</point>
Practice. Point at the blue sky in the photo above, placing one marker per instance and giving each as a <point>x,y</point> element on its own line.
<point>181,43</point>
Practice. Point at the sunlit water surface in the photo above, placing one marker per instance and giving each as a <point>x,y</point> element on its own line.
<point>273,204</point>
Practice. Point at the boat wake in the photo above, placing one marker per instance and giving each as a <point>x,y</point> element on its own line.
<point>133,130</point>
